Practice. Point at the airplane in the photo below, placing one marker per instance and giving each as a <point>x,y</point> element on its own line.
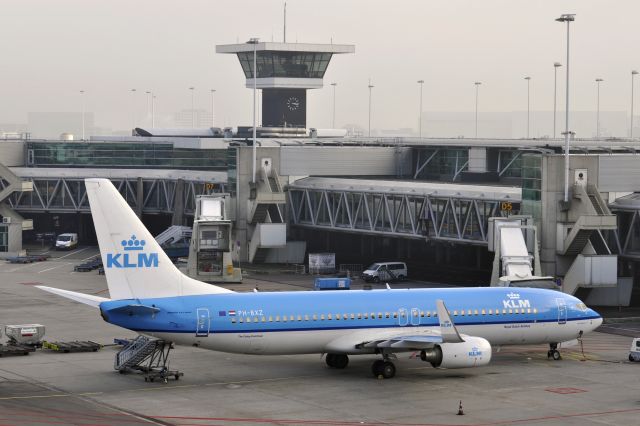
<point>448,327</point>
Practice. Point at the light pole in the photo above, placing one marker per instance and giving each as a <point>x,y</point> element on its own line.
<point>213,106</point>
<point>598,81</point>
<point>333,123</point>
<point>528,104</point>
<point>193,113</point>
<point>633,74</point>
<point>477,84</point>
<point>150,105</point>
<point>133,109</point>
<point>254,41</point>
<point>421,83</point>
<point>556,65</point>
<point>370,87</point>
<point>568,18</point>
<point>82,101</point>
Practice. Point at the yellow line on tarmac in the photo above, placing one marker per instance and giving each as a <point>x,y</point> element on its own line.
<point>57,395</point>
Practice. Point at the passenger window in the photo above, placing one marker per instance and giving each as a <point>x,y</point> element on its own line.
<point>415,313</point>
<point>511,311</point>
<point>359,316</point>
<point>386,315</point>
<point>321,317</point>
<point>373,315</point>
<point>475,312</point>
<point>535,310</point>
<point>522,310</point>
<point>337,317</point>
<point>462,312</point>
<point>353,316</point>
<point>241,320</point>
<point>270,318</point>
<point>284,318</point>
<point>379,315</point>
<point>435,315</point>
<point>528,310</point>
<point>315,317</point>
<point>233,320</point>
<point>455,313</point>
<point>329,316</point>
<point>299,317</point>
<point>484,312</point>
<point>306,317</point>
<point>366,316</point>
<point>263,319</point>
<point>395,315</point>
<point>504,312</point>
<point>277,318</point>
<point>428,313</point>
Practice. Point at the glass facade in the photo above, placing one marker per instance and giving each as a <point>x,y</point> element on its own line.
<point>4,238</point>
<point>532,185</point>
<point>446,162</point>
<point>514,168</point>
<point>285,64</point>
<point>232,170</point>
<point>123,155</point>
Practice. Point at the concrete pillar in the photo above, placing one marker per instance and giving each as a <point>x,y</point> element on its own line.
<point>178,203</point>
<point>139,196</point>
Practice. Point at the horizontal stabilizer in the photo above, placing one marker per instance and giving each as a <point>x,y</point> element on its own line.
<point>135,309</point>
<point>87,299</point>
<point>448,329</point>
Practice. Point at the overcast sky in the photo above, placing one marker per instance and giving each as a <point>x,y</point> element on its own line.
<point>50,50</point>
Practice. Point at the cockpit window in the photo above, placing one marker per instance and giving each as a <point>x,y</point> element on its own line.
<point>581,307</point>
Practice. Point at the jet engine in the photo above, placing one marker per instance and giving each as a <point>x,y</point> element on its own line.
<point>473,352</point>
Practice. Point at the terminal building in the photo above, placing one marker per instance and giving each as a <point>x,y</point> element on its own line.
<point>425,201</point>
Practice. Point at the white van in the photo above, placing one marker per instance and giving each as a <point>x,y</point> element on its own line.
<point>385,271</point>
<point>67,241</point>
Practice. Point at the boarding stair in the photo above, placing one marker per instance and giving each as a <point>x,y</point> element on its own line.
<point>147,355</point>
<point>173,234</point>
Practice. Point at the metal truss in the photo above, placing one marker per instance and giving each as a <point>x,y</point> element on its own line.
<point>398,215</point>
<point>69,195</point>
<point>625,238</point>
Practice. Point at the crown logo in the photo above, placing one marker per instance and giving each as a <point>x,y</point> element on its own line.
<point>133,244</point>
<point>513,296</point>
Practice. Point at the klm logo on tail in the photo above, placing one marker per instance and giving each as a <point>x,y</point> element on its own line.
<point>134,256</point>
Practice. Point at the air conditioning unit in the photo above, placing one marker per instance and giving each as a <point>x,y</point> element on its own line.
<point>6,220</point>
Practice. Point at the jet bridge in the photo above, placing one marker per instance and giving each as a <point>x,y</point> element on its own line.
<point>517,257</point>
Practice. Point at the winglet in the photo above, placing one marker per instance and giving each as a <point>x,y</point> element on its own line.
<point>448,329</point>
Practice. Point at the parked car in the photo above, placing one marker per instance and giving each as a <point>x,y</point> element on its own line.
<point>634,352</point>
<point>67,241</point>
<point>385,271</point>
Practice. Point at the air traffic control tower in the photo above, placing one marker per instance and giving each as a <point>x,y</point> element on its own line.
<point>285,72</point>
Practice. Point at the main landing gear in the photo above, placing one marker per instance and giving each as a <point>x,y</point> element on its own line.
<point>553,352</point>
<point>384,368</point>
<point>339,361</point>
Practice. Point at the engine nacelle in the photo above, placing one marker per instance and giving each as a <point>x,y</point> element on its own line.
<point>473,352</point>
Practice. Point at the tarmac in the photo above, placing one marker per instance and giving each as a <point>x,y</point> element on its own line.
<point>593,384</point>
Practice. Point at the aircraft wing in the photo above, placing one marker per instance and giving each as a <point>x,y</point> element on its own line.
<point>401,338</point>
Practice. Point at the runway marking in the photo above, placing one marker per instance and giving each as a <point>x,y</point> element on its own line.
<point>54,267</point>
<point>377,423</point>
<point>74,252</point>
<point>57,395</point>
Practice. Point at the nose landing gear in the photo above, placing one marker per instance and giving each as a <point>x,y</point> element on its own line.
<point>383,368</point>
<point>553,352</point>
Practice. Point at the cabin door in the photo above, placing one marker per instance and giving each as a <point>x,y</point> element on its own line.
<point>203,322</point>
<point>562,311</point>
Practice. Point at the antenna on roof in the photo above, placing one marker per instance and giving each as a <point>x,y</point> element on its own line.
<point>284,32</point>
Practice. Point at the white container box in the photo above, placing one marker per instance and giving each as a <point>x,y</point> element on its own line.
<point>25,334</point>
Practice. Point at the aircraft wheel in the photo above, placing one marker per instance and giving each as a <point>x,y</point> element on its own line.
<point>377,367</point>
<point>340,361</point>
<point>376,279</point>
<point>388,370</point>
<point>329,359</point>
<point>556,355</point>
<point>631,358</point>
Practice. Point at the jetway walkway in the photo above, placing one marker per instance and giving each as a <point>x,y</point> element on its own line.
<point>419,210</point>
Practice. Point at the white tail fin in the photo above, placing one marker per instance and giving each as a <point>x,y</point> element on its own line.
<point>135,265</point>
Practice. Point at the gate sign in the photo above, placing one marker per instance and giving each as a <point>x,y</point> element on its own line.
<point>322,263</point>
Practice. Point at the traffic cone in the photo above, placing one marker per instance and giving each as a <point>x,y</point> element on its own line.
<point>460,412</point>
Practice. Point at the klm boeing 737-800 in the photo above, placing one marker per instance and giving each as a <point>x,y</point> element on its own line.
<point>449,328</point>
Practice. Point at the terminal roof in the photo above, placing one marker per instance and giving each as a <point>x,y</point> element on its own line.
<point>286,47</point>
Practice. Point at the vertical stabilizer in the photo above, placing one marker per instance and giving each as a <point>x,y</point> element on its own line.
<point>135,265</point>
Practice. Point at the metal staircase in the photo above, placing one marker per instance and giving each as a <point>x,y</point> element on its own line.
<point>266,214</point>
<point>136,352</point>
<point>173,234</point>
<point>588,227</point>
